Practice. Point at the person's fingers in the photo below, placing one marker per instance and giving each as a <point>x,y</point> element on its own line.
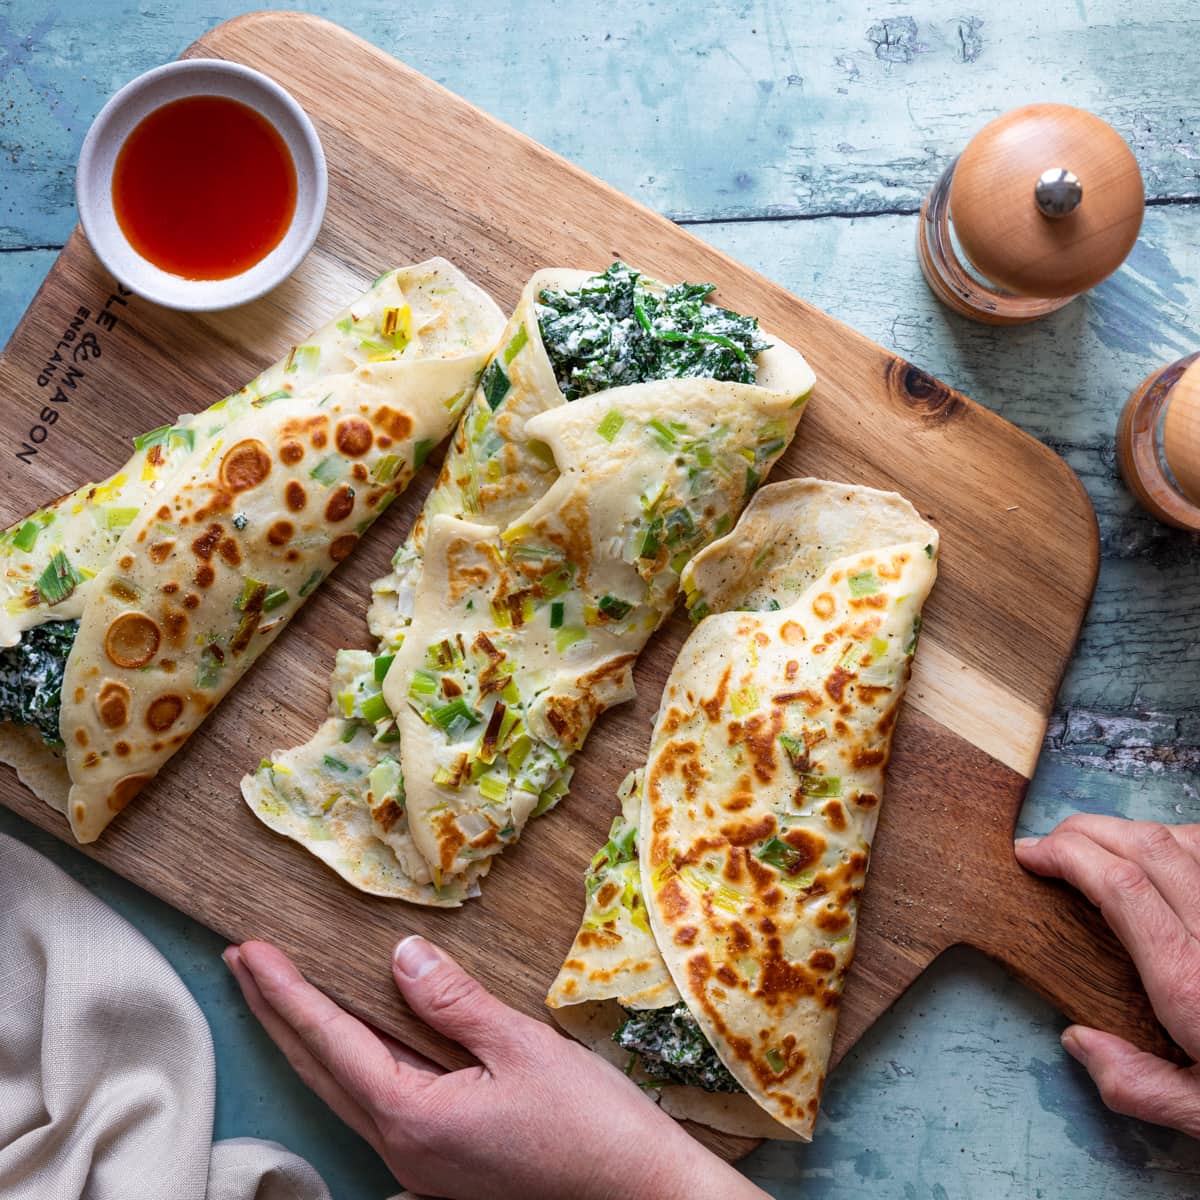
<point>407,1055</point>
<point>1188,836</point>
<point>1161,852</point>
<point>1135,1083</point>
<point>348,1050</point>
<point>1166,956</point>
<point>443,995</point>
<point>294,1050</point>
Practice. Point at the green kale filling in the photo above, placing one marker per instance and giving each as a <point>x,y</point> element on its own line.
<point>614,331</point>
<point>31,677</point>
<point>672,1049</point>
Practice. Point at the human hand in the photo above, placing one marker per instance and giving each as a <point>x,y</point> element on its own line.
<point>1145,879</point>
<point>541,1118</point>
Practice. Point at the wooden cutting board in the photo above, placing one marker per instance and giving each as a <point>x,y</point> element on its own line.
<point>416,171</point>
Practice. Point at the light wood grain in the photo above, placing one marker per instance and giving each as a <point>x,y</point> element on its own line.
<point>433,175</point>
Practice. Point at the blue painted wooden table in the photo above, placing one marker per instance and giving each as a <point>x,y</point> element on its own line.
<point>800,137</point>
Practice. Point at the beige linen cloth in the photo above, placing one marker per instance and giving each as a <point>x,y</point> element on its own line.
<point>106,1063</point>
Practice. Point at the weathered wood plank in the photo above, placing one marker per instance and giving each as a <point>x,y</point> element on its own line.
<point>739,109</point>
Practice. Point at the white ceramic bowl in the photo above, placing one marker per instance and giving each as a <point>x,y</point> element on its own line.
<point>198,77</point>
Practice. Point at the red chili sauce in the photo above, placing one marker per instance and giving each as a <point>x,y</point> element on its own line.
<point>204,187</point>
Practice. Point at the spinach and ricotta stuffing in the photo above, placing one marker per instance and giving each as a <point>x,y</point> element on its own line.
<point>616,330</point>
<point>31,677</point>
<point>672,1049</point>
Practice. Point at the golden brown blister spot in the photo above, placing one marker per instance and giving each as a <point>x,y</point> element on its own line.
<point>353,437</point>
<point>164,711</point>
<point>358,472</point>
<point>340,505</point>
<point>341,546</point>
<point>175,623</point>
<point>132,640</point>
<point>123,591</point>
<point>280,533</point>
<point>125,789</point>
<point>291,452</point>
<point>792,633</point>
<point>230,552</point>
<point>81,737</point>
<point>295,496</point>
<point>835,685</point>
<point>125,562</point>
<point>122,749</point>
<point>204,578</point>
<point>824,606</point>
<point>191,600</point>
<point>245,465</point>
<point>159,552</point>
<point>204,546</point>
<point>450,839</point>
<point>396,425</point>
<point>112,704</point>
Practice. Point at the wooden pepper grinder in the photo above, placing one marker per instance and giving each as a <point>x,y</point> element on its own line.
<point>1044,203</point>
<point>1158,443</point>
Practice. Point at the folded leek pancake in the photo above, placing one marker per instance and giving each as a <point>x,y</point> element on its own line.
<point>721,913</point>
<point>620,428</point>
<point>130,607</point>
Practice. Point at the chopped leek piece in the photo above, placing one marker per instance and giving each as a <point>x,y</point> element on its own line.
<point>864,583</point>
<point>722,525</point>
<point>495,384</point>
<point>878,647</point>
<point>458,715</point>
<point>776,1060</point>
<point>58,580</point>
<point>335,764</point>
<point>310,583</point>
<point>381,666</point>
<point>163,434</point>
<point>557,581</point>
<point>820,787</point>
<point>387,468</point>
<point>556,614</point>
<point>493,787</point>
<point>250,588</point>
<point>796,751</point>
<point>611,424</point>
<point>752,480</point>
<point>374,709</point>
<point>422,683</point>
<point>349,733</point>
<point>744,700</point>
<point>119,518</point>
<point>302,357</point>
<point>274,599</point>
<point>916,636</point>
<point>26,537</point>
<point>209,667</point>
<point>281,394</point>
<point>385,780</point>
<point>329,470</point>
<point>618,610</point>
<point>568,637</point>
<point>680,526</point>
<point>779,854</point>
<point>345,324</point>
<point>421,452</point>
<point>664,435</point>
<point>514,347</point>
<point>929,550</point>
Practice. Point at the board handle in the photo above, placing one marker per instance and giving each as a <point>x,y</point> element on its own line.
<point>1052,939</point>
